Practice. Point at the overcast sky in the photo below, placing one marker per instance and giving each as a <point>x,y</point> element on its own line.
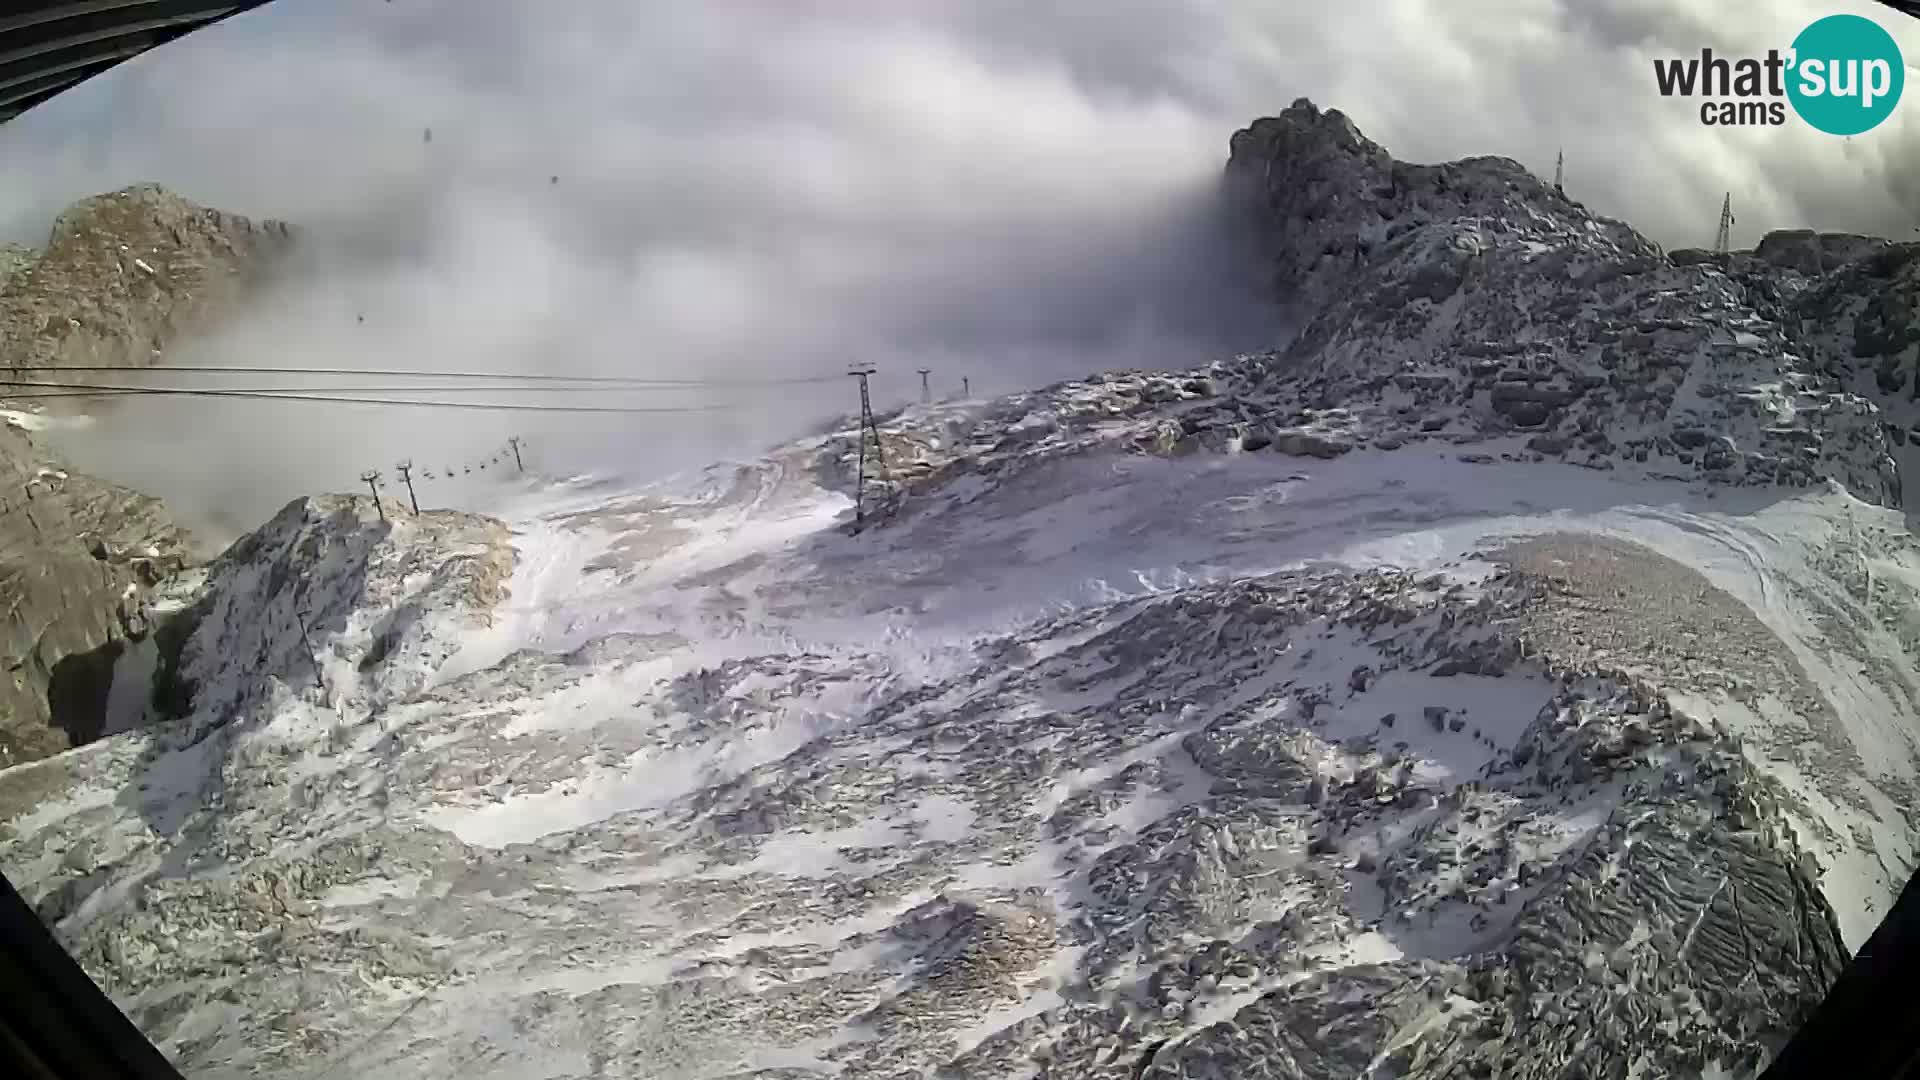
<point>782,186</point>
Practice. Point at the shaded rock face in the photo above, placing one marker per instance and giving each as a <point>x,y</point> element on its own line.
<point>122,275</point>
<point>1861,326</point>
<point>1812,253</point>
<point>76,555</point>
<point>1321,184</point>
<point>1696,256</point>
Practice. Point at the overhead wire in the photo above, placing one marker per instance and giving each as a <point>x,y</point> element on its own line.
<point>87,390</point>
<point>597,380</point>
<point>71,390</point>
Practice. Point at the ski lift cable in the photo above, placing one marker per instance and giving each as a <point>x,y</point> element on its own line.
<point>346,399</point>
<point>73,390</point>
<point>502,376</point>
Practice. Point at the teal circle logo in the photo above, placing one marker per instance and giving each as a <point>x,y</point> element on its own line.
<point>1846,74</point>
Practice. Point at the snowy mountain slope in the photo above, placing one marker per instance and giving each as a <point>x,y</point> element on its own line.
<point>1103,528</point>
<point>802,789</point>
<point>1303,713</point>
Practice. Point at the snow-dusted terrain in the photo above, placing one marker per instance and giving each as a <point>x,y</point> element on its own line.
<point>1335,712</point>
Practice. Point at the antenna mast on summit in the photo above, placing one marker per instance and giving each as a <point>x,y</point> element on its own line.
<point>1723,240</point>
<point>1560,172</point>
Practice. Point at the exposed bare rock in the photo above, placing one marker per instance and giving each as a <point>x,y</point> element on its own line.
<point>1814,253</point>
<point>125,273</point>
<point>76,558</point>
<point>122,275</point>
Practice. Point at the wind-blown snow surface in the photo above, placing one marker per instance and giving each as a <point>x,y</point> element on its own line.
<point>1054,769</point>
<point>1100,530</point>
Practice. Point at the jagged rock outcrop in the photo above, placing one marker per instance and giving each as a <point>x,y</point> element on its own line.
<point>123,274</point>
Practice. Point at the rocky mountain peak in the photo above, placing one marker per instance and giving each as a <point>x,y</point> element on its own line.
<point>1327,200</point>
<point>1322,149</point>
<point>125,272</point>
<point>1473,290</point>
